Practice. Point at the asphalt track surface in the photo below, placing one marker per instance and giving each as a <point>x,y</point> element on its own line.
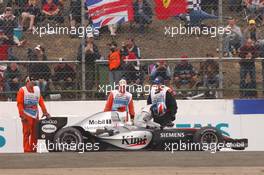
<point>178,163</point>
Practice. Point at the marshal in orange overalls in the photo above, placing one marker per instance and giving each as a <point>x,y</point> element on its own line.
<point>28,99</point>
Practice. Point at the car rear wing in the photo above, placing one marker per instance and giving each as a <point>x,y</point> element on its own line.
<point>47,128</point>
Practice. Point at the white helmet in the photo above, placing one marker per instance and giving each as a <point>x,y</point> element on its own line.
<point>122,85</point>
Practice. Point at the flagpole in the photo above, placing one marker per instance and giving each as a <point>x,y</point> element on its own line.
<point>220,24</point>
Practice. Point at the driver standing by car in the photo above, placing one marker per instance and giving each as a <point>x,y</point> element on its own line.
<point>163,104</point>
<point>120,100</point>
<point>28,99</point>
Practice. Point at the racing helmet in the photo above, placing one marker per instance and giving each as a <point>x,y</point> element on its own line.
<point>158,80</point>
<point>158,109</point>
<point>122,85</point>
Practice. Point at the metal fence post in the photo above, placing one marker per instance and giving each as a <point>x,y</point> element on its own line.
<point>83,53</point>
<point>220,45</point>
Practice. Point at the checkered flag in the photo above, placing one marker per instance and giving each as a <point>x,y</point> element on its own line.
<point>194,5</point>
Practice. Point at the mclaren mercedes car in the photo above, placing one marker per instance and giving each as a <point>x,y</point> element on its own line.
<point>108,131</point>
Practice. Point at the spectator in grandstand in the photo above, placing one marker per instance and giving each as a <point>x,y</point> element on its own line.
<point>75,12</point>
<point>129,72</point>
<point>12,77</point>
<point>52,11</point>
<point>232,38</point>
<point>113,29</point>
<point>2,4</point>
<point>256,8</point>
<point>209,71</point>
<point>125,53</point>
<point>64,76</point>
<point>251,31</point>
<point>42,74</point>
<point>208,78</point>
<point>248,53</point>
<point>38,53</point>
<point>129,52</point>
<point>114,63</point>
<point>17,6</point>
<point>31,11</point>
<point>133,48</point>
<point>184,74</point>
<point>143,14</point>
<point>161,69</point>
<point>7,24</point>
<point>4,46</point>
<point>92,54</point>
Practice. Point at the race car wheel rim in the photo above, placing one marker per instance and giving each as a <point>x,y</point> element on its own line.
<point>209,137</point>
<point>69,138</point>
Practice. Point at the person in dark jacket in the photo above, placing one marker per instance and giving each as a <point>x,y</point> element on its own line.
<point>248,53</point>
<point>185,74</point>
<point>164,106</point>
<point>12,77</point>
<point>32,11</point>
<point>91,55</point>
<point>64,76</point>
<point>8,23</point>
<point>161,69</point>
<point>143,14</point>
<point>42,74</point>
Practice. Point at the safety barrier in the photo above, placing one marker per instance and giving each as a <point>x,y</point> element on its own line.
<point>230,116</point>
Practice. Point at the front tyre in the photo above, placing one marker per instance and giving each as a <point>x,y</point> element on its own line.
<point>208,139</point>
<point>68,140</point>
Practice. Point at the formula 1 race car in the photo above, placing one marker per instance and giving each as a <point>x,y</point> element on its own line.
<point>108,131</point>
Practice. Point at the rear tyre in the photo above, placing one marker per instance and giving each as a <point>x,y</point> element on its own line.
<point>68,140</point>
<point>208,139</point>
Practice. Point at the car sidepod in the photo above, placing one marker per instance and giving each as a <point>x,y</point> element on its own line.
<point>164,140</point>
<point>130,140</point>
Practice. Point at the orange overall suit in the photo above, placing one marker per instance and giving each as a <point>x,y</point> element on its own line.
<point>28,99</point>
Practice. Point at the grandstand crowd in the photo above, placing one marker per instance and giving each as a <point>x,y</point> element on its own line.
<point>23,16</point>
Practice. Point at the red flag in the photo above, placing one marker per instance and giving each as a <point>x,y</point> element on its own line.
<point>168,8</point>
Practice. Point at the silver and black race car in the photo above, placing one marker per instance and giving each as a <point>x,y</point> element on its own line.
<point>108,131</point>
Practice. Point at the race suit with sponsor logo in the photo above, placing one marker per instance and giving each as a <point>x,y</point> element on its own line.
<point>163,96</point>
<point>27,103</point>
<point>118,101</point>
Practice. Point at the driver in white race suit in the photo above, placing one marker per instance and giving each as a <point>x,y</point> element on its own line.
<point>163,104</point>
<point>120,100</point>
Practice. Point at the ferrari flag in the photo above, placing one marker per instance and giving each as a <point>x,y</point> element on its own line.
<point>168,8</point>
